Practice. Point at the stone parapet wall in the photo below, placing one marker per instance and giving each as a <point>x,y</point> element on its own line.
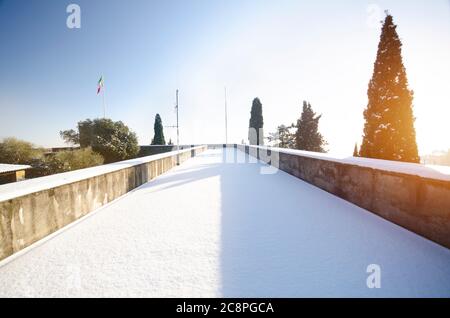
<point>33,209</point>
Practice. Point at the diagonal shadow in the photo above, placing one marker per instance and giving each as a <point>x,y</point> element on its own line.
<point>182,177</point>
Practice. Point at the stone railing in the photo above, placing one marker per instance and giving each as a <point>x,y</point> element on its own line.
<point>32,209</point>
<point>150,150</point>
<point>413,196</point>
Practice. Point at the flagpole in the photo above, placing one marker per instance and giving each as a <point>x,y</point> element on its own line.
<point>226,118</point>
<point>104,103</point>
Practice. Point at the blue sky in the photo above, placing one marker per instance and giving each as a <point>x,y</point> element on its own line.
<point>281,51</point>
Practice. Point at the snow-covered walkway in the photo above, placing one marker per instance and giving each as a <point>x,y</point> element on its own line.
<point>209,228</point>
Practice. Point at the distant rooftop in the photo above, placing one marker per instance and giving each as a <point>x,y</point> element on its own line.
<point>4,168</point>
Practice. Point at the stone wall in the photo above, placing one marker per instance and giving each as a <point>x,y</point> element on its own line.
<point>150,150</point>
<point>32,216</point>
<point>418,203</point>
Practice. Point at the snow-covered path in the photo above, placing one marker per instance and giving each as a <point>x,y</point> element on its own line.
<point>213,229</point>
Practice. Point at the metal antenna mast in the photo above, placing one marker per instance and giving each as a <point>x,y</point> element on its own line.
<point>178,130</point>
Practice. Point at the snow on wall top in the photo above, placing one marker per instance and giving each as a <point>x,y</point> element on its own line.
<point>425,171</point>
<point>18,189</point>
<point>11,168</point>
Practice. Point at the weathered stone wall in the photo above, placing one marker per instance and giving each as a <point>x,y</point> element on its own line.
<point>419,204</point>
<point>29,218</point>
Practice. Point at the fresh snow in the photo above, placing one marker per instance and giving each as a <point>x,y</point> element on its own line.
<point>214,229</point>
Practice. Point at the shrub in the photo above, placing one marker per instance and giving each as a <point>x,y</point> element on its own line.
<point>15,151</point>
<point>73,160</point>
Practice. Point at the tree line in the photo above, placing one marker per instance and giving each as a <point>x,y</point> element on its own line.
<point>15,151</point>
<point>388,134</point>
<point>389,131</point>
<point>303,135</point>
<point>95,142</point>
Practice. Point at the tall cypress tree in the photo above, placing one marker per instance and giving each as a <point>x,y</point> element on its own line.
<point>308,136</point>
<point>256,123</point>
<point>389,122</point>
<point>355,151</point>
<point>158,139</point>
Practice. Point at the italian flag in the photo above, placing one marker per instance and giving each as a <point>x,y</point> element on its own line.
<point>100,84</point>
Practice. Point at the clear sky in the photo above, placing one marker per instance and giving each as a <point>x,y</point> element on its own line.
<point>281,51</point>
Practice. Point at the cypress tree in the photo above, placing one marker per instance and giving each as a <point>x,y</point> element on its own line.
<point>355,151</point>
<point>256,123</point>
<point>308,136</point>
<point>158,139</point>
<point>389,122</point>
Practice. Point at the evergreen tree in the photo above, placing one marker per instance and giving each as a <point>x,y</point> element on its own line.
<point>112,139</point>
<point>389,122</point>
<point>355,151</point>
<point>256,123</point>
<point>158,139</point>
<point>308,136</point>
<point>283,137</point>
